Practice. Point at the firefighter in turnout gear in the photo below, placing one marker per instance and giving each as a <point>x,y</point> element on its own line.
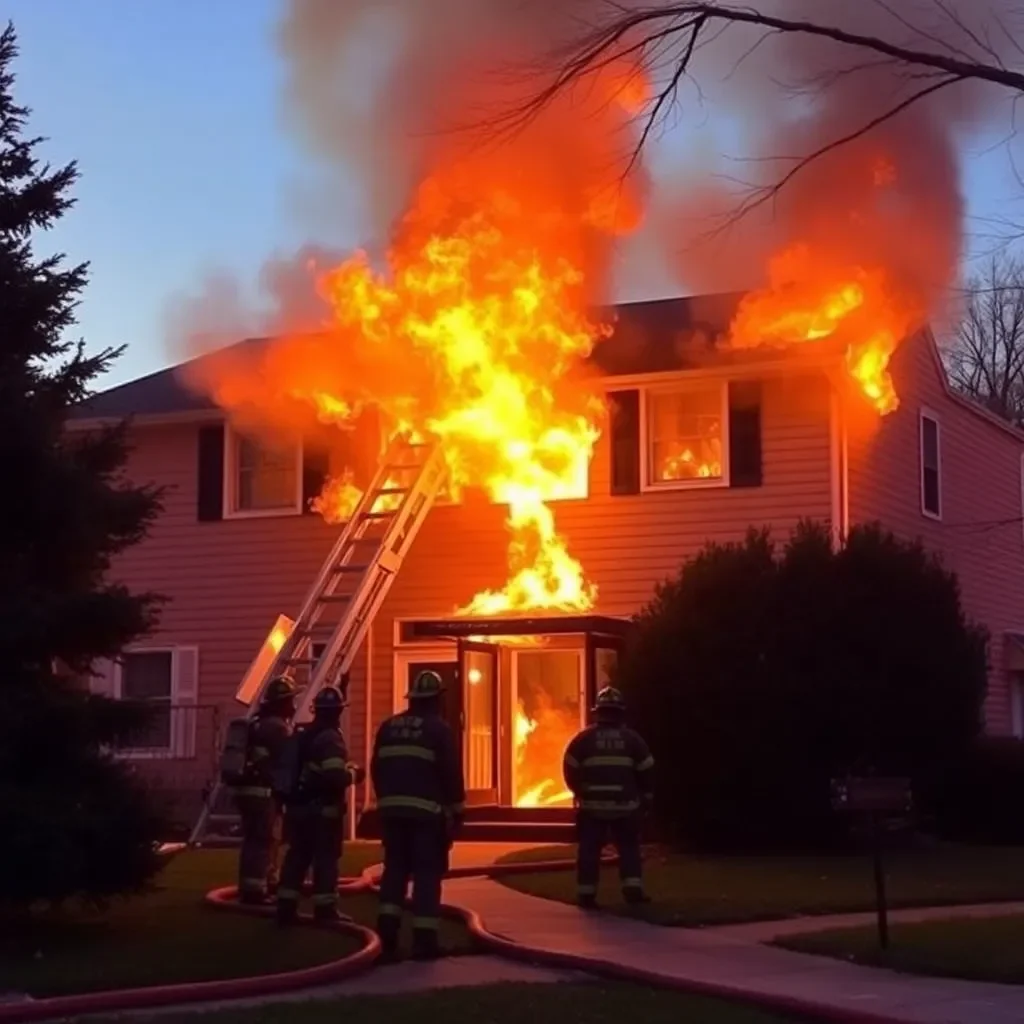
<point>421,793</point>
<point>258,806</point>
<point>315,812</point>
<point>609,770</point>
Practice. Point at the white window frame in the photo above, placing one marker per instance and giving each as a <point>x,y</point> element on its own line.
<point>679,388</point>
<point>179,744</point>
<point>231,470</point>
<point>929,414</point>
<point>1022,494</point>
<point>1016,705</point>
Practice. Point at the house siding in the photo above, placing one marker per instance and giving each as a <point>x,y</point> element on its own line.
<point>228,580</point>
<point>980,535</point>
<point>626,544</point>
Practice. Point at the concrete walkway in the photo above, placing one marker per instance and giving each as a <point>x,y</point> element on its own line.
<point>733,959</point>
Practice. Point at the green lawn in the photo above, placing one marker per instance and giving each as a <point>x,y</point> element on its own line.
<point>690,890</point>
<point>170,936</point>
<point>980,950</point>
<point>500,1004</point>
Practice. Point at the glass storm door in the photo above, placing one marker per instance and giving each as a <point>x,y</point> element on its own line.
<point>478,720</point>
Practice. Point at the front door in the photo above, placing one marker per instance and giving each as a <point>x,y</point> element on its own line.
<point>475,703</point>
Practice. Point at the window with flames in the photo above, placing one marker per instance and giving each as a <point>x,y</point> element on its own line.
<point>685,435</point>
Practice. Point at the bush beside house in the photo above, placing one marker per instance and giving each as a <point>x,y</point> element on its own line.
<point>759,673</point>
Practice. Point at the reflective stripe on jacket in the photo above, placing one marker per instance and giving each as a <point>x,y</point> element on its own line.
<point>326,773</point>
<point>416,769</point>
<point>608,768</point>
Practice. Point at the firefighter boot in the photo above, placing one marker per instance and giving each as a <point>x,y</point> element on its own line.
<point>425,944</point>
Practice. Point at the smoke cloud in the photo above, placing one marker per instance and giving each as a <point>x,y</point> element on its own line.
<point>391,91</point>
<point>890,197</point>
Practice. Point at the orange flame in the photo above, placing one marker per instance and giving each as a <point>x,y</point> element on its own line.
<point>472,333</point>
<point>538,765</point>
<point>810,297</point>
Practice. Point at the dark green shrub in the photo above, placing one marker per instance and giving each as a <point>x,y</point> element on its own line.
<point>758,674</point>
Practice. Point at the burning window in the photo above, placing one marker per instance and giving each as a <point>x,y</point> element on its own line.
<point>685,431</point>
<point>548,714</point>
<point>264,478</point>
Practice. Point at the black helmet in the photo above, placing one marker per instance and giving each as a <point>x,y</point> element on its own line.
<point>279,689</point>
<point>427,684</point>
<point>329,699</point>
<point>610,699</point>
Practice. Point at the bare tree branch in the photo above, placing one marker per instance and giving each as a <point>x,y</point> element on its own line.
<point>762,195</point>
<point>679,30</point>
<point>985,359</point>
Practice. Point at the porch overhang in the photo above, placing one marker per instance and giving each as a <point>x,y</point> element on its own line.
<point>464,627</point>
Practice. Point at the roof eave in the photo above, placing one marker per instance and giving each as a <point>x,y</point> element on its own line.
<point>163,419</point>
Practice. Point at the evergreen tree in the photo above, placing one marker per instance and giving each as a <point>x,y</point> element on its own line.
<point>74,821</point>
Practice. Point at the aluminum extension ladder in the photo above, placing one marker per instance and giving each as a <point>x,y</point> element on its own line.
<point>351,586</point>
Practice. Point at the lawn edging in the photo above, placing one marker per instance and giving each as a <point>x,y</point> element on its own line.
<point>185,993</point>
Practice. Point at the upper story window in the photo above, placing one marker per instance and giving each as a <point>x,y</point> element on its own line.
<point>931,466</point>
<point>686,435</point>
<point>262,478</point>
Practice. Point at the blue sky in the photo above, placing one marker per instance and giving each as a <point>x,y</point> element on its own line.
<point>172,109</point>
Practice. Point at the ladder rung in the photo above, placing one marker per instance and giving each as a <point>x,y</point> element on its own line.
<point>393,490</point>
<point>333,599</point>
<point>388,514</point>
<point>350,568</point>
<point>300,661</point>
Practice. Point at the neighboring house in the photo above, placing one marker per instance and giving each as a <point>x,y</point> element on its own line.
<point>236,546</point>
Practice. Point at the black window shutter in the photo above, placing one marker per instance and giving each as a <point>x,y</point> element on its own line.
<point>210,479</point>
<point>745,434</point>
<point>315,468</point>
<point>624,407</point>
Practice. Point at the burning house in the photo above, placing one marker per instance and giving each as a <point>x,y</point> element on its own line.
<point>516,580</point>
<point>463,458</point>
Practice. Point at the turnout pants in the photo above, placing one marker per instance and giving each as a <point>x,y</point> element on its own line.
<point>314,842</point>
<point>415,849</point>
<point>261,841</point>
<point>592,833</point>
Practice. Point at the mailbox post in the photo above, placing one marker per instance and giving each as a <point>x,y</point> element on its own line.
<point>876,799</point>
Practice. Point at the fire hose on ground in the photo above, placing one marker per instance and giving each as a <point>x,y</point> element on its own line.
<point>224,899</point>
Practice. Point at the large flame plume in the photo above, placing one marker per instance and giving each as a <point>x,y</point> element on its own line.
<point>475,326</point>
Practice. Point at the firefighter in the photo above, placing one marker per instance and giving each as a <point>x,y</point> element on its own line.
<point>421,793</point>
<point>315,812</point>
<point>258,807</point>
<point>608,768</point>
